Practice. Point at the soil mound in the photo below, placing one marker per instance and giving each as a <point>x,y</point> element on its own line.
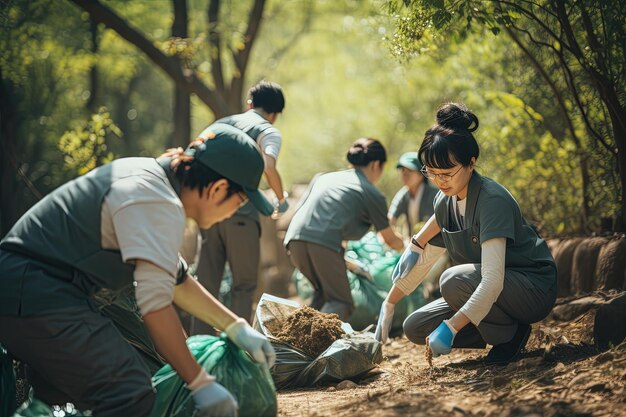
<point>309,330</point>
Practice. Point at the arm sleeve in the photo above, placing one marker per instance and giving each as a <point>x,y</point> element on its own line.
<point>152,232</point>
<point>270,141</point>
<point>430,261</point>
<point>492,282</point>
<point>155,287</point>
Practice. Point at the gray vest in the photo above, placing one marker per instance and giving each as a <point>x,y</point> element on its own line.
<point>252,124</point>
<point>63,230</point>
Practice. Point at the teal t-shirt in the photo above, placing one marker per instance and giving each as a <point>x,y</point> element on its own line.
<point>492,212</point>
<point>338,206</point>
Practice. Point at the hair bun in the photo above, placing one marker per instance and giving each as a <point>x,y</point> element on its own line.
<point>457,116</point>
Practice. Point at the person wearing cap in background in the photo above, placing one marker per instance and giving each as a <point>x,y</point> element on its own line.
<point>237,240</point>
<point>122,223</point>
<point>415,199</point>
<point>336,207</point>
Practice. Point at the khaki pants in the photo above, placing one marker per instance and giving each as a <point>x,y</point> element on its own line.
<point>235,240</point>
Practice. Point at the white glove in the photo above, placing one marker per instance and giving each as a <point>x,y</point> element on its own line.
<point>253,342</point>
<point>384,321</point>
<point>211,398</point>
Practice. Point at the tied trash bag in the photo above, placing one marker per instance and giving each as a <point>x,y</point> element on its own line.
<point>7,384</point>
<point>249,382</point>
<point>347,358</point>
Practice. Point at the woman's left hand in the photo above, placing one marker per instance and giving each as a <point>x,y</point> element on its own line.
<point>440,340</point>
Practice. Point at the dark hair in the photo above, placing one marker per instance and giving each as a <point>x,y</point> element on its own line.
<point>366,150</point>
<point>451,139</point>
<point>194,174</point>
<point>268,96</point>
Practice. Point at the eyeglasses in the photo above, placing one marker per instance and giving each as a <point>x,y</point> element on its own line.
<point>441,177</point>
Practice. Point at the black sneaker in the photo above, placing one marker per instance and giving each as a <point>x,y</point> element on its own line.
<point>507,352</point>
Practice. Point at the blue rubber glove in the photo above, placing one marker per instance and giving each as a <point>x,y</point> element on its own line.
<point>440,340</point>
<point>213,400</point>
<point>282,207</point>
<point>407,261</point>
<point>253,342</point>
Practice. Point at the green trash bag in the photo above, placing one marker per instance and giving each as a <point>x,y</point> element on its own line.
<point>249,382</point>
<point>368,295</point>
<point>367,299</point>
<point>7,384</point>
<point>36,408</point>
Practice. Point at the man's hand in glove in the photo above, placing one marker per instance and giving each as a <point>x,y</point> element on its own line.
<point>211,398</point>
<point>253,342</point>
<point>281,206</point>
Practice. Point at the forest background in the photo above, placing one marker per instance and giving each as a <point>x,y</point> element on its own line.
<point>85,81</point>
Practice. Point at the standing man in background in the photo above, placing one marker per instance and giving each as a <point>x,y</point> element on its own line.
<point>236,240</point>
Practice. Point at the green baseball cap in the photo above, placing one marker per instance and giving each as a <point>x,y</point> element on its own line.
<point>233,154</point>
<point>410,161</point>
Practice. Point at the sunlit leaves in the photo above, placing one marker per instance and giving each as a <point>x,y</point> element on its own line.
<point>86,147</point>
<point>183,48</point>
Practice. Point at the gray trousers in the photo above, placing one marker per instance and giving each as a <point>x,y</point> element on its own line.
<point>235,240</point>
<point>326,269</point>
<point>519,302</point>
<point>77,355</point>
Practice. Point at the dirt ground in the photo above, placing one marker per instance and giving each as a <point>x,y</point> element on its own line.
<point>560,374</point>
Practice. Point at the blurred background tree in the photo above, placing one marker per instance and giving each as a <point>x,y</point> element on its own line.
<point>83,81</point>
<point>575,49</point>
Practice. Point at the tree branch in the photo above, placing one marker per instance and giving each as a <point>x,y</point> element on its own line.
<point>215,44</point>
<point>242,56</point>
<point>549,81</point>
<point>304,28</point>
<point>186,79</point>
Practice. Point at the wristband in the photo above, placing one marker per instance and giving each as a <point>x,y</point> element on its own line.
<point>415,242</point>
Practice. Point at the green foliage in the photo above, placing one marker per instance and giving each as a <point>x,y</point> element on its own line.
<point>86,147</point>
<point>352,68</point>
<point>572,57</point>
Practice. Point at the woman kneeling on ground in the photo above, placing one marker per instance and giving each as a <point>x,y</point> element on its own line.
<point>504,277</point>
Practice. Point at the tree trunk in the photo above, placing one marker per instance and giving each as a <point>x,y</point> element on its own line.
<point>8,202</point>
<point>618,122</point>
<point>182,102</point>
<point>92,104</point>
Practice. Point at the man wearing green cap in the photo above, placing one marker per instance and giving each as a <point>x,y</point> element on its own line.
<point>118,225</point>
<point>415,199</point>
